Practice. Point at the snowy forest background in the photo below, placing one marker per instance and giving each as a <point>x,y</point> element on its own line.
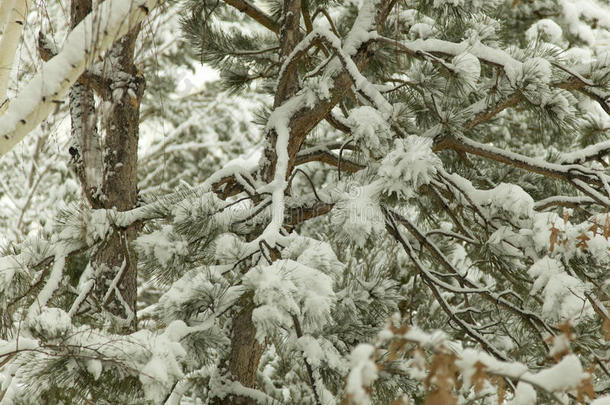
<point>305,202</point>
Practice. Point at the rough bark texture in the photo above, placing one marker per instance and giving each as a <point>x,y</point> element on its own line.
<point>84,133</point>
<point>246,351</point>
<point>115,261</point>
<point>108,172</point>
<point>86,146</point>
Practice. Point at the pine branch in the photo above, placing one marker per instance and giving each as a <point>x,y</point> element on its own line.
<point>312,381</point>
<point>562,172</point>
<point>325,156</point>
<point>257,14</point>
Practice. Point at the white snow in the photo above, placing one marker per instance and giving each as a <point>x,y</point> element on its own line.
<point>162,245</point>
<point>563,295</point>
<point>565,375</point>
<point>285,289</point>
<point>358,214</point>
<point>547,29</point>
<point>9,265</point>
<point>362,27</point>
<point>409,165</point>
<point>468,68</point>
<point>508,197</point>
<point>575,12</point>
<point>525,394</point>
<point>94,367</point>
<point>51,322</point>
<point>51,285</point>
<point>370,130</point>
<point>363,373</point>
<point>421,31</point>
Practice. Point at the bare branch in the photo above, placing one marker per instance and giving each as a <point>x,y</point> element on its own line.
<point>257,14</point>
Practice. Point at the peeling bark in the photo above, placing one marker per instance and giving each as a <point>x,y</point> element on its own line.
<point>86,146</point>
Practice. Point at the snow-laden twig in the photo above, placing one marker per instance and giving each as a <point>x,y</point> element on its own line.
<point>51,285</point>
<point>595,151</point>
<point>564,377</point>
<point>568,172</point>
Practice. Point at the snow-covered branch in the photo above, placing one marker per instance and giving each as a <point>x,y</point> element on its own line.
<point>450,362</point>
<point>93,36</point>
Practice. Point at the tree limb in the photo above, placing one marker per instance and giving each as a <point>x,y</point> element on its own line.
<point>111,20</point>
<point>257,14</point>
<point>100,84</point>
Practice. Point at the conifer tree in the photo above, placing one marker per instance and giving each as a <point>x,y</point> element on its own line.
<point>417,215</point>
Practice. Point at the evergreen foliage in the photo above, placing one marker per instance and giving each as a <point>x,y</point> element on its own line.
<point>397,202</point>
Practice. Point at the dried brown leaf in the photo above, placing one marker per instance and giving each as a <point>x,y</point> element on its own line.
<point>501,384</point>
<point>479,377</point>
<point>583,241</point>
<point>554,237</point>
<point>586,386</point>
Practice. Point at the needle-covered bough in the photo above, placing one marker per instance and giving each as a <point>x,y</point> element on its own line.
<point>425,165</point>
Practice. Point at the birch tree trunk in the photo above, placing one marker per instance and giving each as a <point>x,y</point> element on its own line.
<point>15,12</point>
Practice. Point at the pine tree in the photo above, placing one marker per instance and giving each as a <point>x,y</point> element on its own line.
<point>417,215</point>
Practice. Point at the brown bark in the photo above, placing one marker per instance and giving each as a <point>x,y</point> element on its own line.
<point>245,352</point>
<point>112,167</point>
<point>255,13</point>
<point>288,85</point>
<point>115,261</point>
<point>307,119</point>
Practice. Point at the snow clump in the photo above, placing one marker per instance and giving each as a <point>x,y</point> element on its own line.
<point>411,164</point>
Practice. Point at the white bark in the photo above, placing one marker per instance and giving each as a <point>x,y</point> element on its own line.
<point>5,7</point>
<point>16,11</point>
<point>108,22</point>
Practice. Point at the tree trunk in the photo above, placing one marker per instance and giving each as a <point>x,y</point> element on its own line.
<point>86,146</point>
<point>115,261</point>
<point>15,10</point>
<point>246,351</point>
<point>108,172</point>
